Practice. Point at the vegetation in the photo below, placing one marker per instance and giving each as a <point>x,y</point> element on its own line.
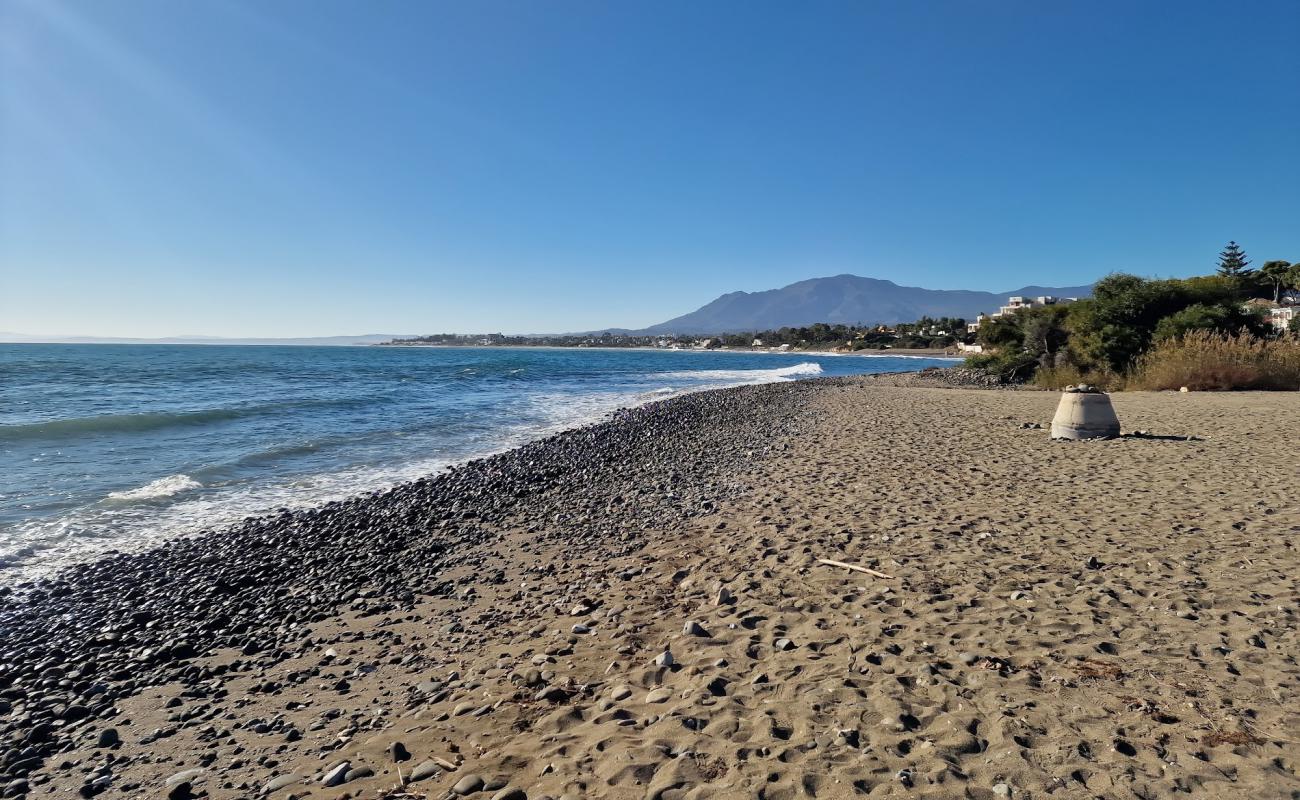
<point>1233,262</point>
<point>1142,332</point>
<point>925,333</point>
<point>1281,276</point>
<point>1208,332</point>
<point>1204,360</point>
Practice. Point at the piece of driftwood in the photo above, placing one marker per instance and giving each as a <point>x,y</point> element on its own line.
<point>853,567</point>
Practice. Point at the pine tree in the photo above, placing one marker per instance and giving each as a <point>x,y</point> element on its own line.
<point>1232,262</point>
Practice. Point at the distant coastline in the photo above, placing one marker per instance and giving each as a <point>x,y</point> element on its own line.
<point>902,352</point>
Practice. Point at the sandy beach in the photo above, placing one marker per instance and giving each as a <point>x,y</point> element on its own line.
<point>639,610</point>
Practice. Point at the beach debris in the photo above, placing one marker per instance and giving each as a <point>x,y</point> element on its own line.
<point>866,570</point>
<point>665,659</point>
<point>1094,669</point>
<point>693,628</point>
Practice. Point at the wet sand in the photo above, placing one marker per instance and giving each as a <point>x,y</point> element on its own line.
<point>1076,620</point>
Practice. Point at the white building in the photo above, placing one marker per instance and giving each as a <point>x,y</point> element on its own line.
<point>1281,316</point>
<point>1016,303</point>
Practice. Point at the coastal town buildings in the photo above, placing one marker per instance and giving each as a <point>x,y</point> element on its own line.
<point>1278,315</point>
<point>1014,304</point>
<point>1282,316</point>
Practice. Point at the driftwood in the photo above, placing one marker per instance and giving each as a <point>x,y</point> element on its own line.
<point>853,567</point>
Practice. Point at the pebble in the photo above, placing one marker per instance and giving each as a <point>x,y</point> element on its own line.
<point>659,695</point>
<point>108,737</point>
<point>128,623</point>
<point>276,784</point>
<point>336,774</point>
<point>469,784</point>
<point>188,776</point>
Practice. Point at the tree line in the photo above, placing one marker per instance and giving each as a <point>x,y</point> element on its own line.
<point>1105,335</point>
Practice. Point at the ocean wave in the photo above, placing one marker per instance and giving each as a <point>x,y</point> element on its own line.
<point>803,370</point>
<point>157,420</point>
<point>116,423</point>
<point>157,490</point>
<point>918,358</point>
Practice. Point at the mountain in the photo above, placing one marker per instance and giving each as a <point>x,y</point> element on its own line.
<point>317,341</point>
<point>846,299</point>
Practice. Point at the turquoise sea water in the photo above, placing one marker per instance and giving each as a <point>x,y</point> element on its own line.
<point>122,446</point>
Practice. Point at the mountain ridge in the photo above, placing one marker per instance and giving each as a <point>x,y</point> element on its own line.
<point>846,299</point>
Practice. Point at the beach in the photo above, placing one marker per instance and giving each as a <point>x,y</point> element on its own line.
<point>640,609</point>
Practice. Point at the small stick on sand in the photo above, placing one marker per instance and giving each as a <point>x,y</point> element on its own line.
<point>854,567</point>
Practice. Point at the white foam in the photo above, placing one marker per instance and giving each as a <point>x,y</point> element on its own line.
<point>918,358</point>
<point>130,521</point>
<point>163,487</point>
<point>747,376</point>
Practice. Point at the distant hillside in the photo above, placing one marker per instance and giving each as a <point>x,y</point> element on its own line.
<point>846,299</point>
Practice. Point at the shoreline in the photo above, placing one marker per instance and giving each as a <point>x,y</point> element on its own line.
<point>20,567</point>
<point>501,623</point>
<point>156,611</point>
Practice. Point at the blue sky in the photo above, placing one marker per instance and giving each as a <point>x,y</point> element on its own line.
<point>239,167</point>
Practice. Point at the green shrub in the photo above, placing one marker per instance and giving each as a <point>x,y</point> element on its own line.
<point>1121,320</point>
<point>1008,365</point>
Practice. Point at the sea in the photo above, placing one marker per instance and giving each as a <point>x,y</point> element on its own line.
<point>120,447</point>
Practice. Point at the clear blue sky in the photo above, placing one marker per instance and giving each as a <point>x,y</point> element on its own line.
<point>241,167</point>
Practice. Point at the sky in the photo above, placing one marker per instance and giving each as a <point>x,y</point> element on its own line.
<point>287,168</point>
